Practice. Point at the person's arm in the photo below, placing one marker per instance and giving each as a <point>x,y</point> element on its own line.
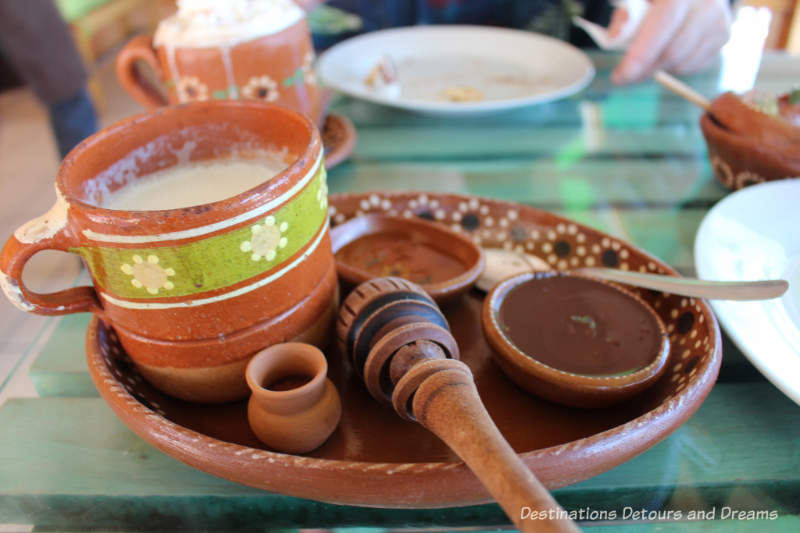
<point>680,36</point>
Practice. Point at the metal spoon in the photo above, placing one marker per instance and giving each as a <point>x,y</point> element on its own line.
<point>501,264</point>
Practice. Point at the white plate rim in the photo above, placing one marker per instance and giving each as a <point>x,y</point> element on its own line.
<point>768,364</point>
<point>328,57</point>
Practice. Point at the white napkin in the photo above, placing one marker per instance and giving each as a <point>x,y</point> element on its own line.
<point>636,9</point>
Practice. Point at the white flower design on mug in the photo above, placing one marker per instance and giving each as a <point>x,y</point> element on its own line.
<point>309,75</point>
<point>190,89</point>
<point>148,274</point>
<point>266,239</point>
<point>261,88</point>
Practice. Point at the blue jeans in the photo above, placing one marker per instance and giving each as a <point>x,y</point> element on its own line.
<point>72,120</point>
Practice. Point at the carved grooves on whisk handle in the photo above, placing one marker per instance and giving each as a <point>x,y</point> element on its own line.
<point>401,345</point>
<point>381,316</point>
<point>404,397</point>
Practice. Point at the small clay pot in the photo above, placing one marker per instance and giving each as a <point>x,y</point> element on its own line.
<point>738,160</point>
<point>294,407</point>
<point>436,236</point>
<point>574,387</point>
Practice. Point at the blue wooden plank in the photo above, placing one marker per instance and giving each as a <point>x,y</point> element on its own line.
<point>60,368</point>
<point>71,463</point>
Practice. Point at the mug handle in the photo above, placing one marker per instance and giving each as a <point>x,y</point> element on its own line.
<point>140,48</point>
<point>47,232</point>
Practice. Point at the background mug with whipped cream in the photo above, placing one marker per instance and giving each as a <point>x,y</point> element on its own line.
<point>237,49</point>
<point>192,285</point>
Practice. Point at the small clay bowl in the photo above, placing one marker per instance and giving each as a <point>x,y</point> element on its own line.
<point>444,263</point>
<point>294,407</point>
<point>573,339</point>
<point>738,160</point>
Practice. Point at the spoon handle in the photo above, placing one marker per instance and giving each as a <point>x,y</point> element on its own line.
<point>681,89</point>
<point>697,288</point>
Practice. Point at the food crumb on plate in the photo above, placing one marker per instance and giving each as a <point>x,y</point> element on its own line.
<point>463,94</point>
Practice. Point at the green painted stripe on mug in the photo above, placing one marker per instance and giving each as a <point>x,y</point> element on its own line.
<point>215,262</point>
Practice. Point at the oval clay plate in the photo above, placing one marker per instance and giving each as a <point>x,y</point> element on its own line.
<point>376,459</point>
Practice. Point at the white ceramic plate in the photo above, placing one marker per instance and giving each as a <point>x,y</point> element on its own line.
<point>510,68</point>
<point>754,233</point>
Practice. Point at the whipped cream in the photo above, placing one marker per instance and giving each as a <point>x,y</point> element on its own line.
<point>205,23</point>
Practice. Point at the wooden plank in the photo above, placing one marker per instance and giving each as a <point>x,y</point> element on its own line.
<point>70,463</point>
<point>672,110</point>
<point>782,524</point>
<point>577,183</point>
<point>493,142</point>
<point>60,368</point>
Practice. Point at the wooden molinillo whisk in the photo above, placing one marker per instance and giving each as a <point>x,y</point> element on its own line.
<point>399,342</point>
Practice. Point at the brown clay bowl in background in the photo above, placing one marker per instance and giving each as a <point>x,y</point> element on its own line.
<point>435,236</point>
<point>569,387</point>
<point>738,160</point>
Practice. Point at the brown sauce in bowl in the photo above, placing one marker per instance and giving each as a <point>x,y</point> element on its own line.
<point>397,254</point>
<point>580,326</point>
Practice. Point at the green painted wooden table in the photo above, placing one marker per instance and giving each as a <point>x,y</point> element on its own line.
<point>640,173</point>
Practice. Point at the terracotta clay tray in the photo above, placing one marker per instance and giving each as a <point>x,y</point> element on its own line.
<point>338,138</point>
<point>376,459</point>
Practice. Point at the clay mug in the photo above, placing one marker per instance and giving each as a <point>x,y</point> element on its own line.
<point>192,292</point>
<point>227,50</point>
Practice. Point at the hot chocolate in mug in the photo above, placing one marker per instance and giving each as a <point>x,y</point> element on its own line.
<point>192,291</point>
<point>248,49</point>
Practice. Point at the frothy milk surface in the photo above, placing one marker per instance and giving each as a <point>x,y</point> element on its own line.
<point>193,184</point>
<point>204,23</point>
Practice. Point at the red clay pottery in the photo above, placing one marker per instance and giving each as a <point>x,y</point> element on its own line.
<point>442,262</point>
<point>752,138</point>
<point>256,50</point>
<point>762,117</point>
<point>294,407</point>
<point>574,339</point>
<point>377,459</point>
<point>192,293</point>
<point>739,160</point>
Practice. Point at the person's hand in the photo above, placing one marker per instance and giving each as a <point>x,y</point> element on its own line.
<point>680,36</point>
<point>308,5</point>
